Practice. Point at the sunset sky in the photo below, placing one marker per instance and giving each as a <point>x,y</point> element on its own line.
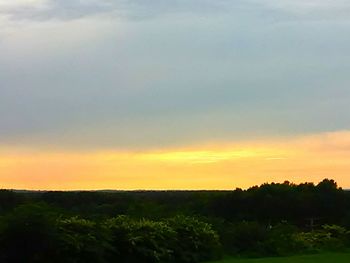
<point>173,94</point>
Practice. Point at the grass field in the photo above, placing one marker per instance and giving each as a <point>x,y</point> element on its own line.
<point>319,258</point>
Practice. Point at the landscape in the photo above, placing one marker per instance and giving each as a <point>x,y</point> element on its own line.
<point>267,223</point>
<point>174,131</point>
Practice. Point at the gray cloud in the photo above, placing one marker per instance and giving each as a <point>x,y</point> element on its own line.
<point>131,9</point>
<point>56,9</point>
<point>201,72</point>
<point>141,9</point>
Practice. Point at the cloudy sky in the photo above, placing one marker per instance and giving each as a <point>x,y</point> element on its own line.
<point>159,94</point>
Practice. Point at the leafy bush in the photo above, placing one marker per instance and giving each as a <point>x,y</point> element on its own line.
<point>196,241</point>
<point>244,238</point>
<point>82,240</point>
<point>280,240</point>
<point>329,237</point>
<point>180,239</point>
<point>257,240</point>
<point>141,240</point>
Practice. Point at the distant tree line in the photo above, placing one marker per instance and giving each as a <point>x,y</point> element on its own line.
<point>173,226</point>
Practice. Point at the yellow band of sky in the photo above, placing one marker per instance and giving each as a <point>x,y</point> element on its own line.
<point>224,165</point>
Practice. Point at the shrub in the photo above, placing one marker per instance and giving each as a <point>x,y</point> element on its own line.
<point>180,239</point>
<point>244,238</point>
<point>82,241</point>
<point>329,237</point>
<point>280,240</point>
<point>196,241</point>
<point>141,240</point>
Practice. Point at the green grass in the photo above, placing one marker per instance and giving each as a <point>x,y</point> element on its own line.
<point>319,258</point>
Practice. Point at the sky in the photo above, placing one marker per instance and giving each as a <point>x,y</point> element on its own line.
<point>180,94</point>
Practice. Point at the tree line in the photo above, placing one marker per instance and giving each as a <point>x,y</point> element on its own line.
<point>173,226</point>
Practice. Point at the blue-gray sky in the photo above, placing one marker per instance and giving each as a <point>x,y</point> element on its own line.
<point>153,73</point>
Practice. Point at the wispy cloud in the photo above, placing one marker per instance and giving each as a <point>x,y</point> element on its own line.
<point>54,9</point>
<point>138,9</point>
<point>309,10</point>
<point>131,9</point>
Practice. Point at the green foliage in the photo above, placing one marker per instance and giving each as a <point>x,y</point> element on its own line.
<point>256,240</point>
<point>29,234</point>
<point>280,240</point>
<point>269,220</point>
<point>141,240</point>
<point>82,241</point>
<point>316,258</point>
<point>9,200</point>
<point>33,233</point>
<point>244,237</point>
<point>329,237</point>
<point>180,239</point>
<point>196,241</point>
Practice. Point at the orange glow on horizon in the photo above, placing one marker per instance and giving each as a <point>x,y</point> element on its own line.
<point>216,166</point>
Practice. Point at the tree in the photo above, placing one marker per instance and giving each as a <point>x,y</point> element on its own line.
<point>29,234</point>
